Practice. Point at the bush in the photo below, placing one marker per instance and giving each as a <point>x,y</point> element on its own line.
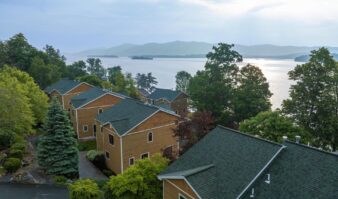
<point>101,183</point>
<point>2,171</point>
<point>108,172</point>
<point>60,180</point>
<point>97,158</point>
<point>6,138</point>
<point>87,145</point>
<point>19,146</point>
<point>12,164</point>
<point>85,189</point>
<point>2,157</point>
<point>15,153</point>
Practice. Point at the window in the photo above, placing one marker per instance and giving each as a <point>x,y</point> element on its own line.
<point>145,155</point>
<point>111,139</point>
<point>101,129</point>
<point>131,161</point>
<point>150,136</point>
<point>85,128</point>
<point>94,128</point>
<point>180,196</point>
<point>100,110</point>
<point>107,155</point>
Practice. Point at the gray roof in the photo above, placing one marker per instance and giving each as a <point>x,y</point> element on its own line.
<point>127,114</point>
<point>300,172</point>
<point>167,94</point>
<point>62,86</point>
<point>223,163</point>
<point>95,92</point>
<point>226,162</point>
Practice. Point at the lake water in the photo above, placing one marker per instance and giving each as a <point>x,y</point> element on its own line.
<point>165,69</point>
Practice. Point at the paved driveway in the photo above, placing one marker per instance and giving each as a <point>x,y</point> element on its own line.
<point>88,170</point>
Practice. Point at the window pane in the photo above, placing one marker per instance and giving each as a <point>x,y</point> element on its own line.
<point>111,139</point>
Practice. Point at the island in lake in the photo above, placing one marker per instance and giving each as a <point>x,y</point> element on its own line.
<point>142,57</point>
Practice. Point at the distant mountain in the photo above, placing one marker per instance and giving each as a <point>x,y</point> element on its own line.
<point>305,58</point>
<point>200,49</point>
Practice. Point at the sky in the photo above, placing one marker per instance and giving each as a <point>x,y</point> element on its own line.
<point>75,25</point>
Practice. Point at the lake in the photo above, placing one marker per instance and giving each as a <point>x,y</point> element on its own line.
<point>165,69</point>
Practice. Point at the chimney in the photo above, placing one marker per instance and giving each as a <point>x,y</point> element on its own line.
<point>285,138</point>
<point>297,139</point>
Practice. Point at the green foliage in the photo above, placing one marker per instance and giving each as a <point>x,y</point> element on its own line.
<point>95,81</point>
<point>12,164</point>
<point>86,145</point>
<point>122,83</point>
<point>85,189</point>
<point>76,70</point>
<point>95,68</point>
<point>60,180</point>
<point>92,154</point>
<point>138,181</point>
<point>252,95</point>
<point>2,157</point>
<point>16,114</point>
<point>272,125</point>
<point>16,153</point>
<point>37,98</point>
<point>182,81</point>
<point>226,91</point>
<point>57,148</point>
<point>146,81</point>
<point>19,146</point>
<point>313,101</point>
<point>2,171</point>
<point>6,138</point>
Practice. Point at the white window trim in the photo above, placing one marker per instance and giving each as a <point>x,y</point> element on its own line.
<point>98,111</point>
<point>133,158</point>
<point>181,195</point>
<point>105,155</point>
<point>83,128</point>
<point>144,154</point>
<point>152,137</point>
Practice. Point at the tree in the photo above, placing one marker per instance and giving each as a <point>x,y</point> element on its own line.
<point>16,114</point>
<point>252,95</point>
<point>313,101</point>
<point>57,148</point>
<point>213,89</point>
<point>113,72</point>
<point>38,100</point>
<point>76,70</point>
<point>84,189</point>
<point>192,130</point>
<point>182,81</point>
<point>272,125</point>
<point>138,181</point>
<point>95,67</point>
<point>146,81</point>
<point>95,81</point>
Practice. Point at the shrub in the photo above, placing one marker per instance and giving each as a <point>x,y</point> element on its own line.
<point>108,172</point>
<point>85,189</point>
<point>97,158</point>
<point>6,138</point>
<point>12,164</point>
<point>15,153</point>
<point>87,145</point>
<point>2,157</point>
<point>101,183</point>
<point>19,146</point>
<point>2,171</point>
<point>60,180</point>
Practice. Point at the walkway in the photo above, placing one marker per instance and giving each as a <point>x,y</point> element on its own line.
<point>88,170</point>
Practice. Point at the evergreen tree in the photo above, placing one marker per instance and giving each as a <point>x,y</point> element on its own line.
<point>57,150</point>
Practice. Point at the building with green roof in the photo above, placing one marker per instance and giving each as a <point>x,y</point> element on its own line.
<point>230,164</point>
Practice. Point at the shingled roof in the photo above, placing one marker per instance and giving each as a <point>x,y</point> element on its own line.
<point>223,163</point>
<point>127,114</point>
<point>62,86</point>
<point>228,164</point>
<point>166,94</point>
<point>85,97</point>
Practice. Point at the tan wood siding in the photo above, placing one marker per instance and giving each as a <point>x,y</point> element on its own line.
<point>76,91</point>
<point>181,187</point>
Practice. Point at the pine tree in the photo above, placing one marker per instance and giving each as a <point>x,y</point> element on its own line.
<point>57,148</point>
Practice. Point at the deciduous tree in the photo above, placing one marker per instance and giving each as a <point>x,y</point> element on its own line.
<point>182,81</point>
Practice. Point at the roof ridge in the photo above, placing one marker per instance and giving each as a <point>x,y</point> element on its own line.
<point>311,147</point>
<point>249,135</point>
<point>200,169</point>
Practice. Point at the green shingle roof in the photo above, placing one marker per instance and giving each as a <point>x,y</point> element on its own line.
<point>128,113</point>
<point>229,160</point>
<point>299,172</point>
<point>62,86</point>
<point>85,97</point>
<point>167,94</point>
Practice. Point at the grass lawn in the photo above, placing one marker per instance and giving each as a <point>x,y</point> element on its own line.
<point>87,145</point>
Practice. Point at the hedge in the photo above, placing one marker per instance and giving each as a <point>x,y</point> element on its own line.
<point>12,164</point>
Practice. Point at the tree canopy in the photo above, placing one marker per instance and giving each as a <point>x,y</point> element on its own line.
<point>146,81</point>
<point>182,81</point>
<point>313,101</point>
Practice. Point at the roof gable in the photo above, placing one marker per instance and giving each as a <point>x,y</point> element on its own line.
<point>90,95</point>
<point>127,114</point>
<point>236,158</point>
<point>166,94</point>
<point>62,86</point>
